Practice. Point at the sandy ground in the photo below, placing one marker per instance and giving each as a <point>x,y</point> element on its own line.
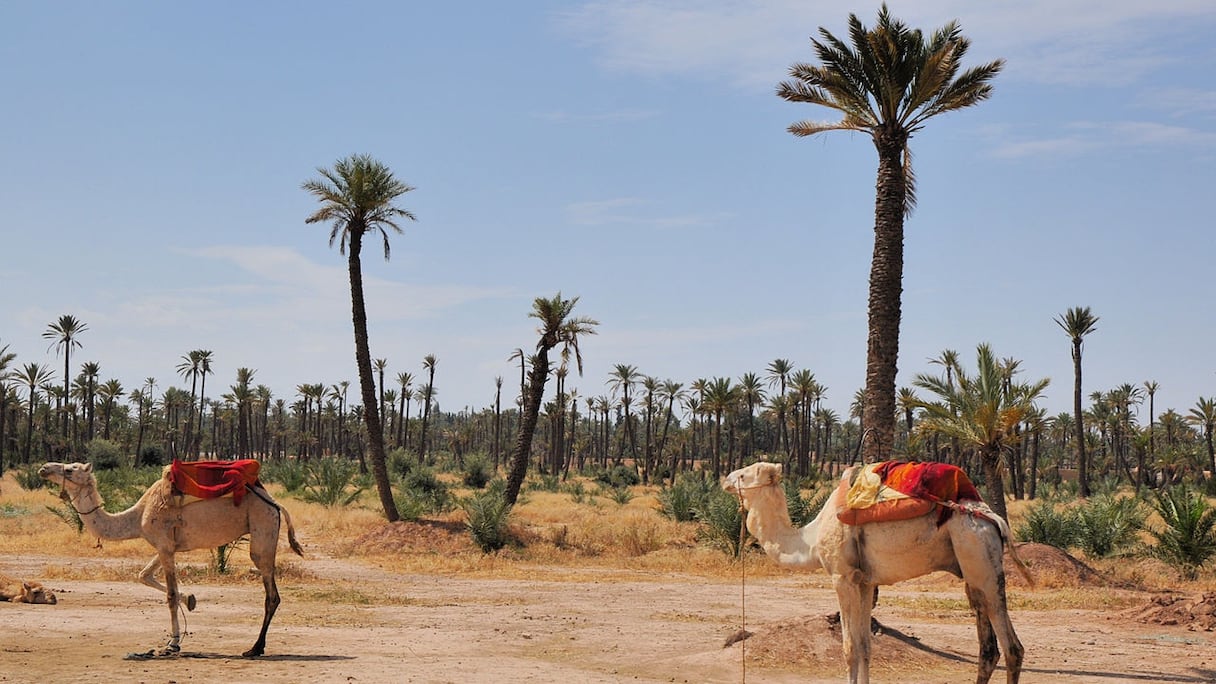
<point>349,621</point>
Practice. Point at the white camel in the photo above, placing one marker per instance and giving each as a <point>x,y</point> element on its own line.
<point>860,558</point>
<point>169,528</point>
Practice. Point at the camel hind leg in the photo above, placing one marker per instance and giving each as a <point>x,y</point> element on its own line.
<point>989,652</point>
<point>262,550</point>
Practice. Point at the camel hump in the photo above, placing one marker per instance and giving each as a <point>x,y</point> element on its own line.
<point>213,479</point>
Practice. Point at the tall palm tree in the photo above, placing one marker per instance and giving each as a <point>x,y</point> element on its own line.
<point>379,366</point>
<point>557,327</point>
<point>109,391</point>
<point>1078,322</point>
<point>65,332</point>
<point>622,379</point>
<point>751,391</point>
<point>983,411</point>
<point>887,84</point>
<point>720,399</point>
<point>404,379</point>
<point>428,364</point>
<point>1204,415</point>
<point>6,372</point>
<point>778,374</point>
<point>243,396</point>
<point>671,391</point>
<point>356,198</point>
<point>189,368</point>
<point>1150,388</point>
<point>204,369</point>
<point>32,376</point>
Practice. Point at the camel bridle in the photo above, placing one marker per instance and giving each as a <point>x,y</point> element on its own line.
<point>67,496</point>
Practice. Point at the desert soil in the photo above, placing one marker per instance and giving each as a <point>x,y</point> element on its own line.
<point>348,620</point>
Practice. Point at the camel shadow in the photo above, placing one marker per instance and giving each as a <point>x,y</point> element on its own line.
<point>1198,676</point>
<point>281,658</point>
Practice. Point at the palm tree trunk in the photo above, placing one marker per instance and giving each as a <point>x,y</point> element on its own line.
<point>992,476</point>
<point>527,425</point>
<point>367,383</point>
<point>886,289</point>
<point>1082,464</point>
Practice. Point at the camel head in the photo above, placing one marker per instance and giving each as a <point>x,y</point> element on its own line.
<point>76,476</point>
<point>744,481</point>
<point>33,592</point>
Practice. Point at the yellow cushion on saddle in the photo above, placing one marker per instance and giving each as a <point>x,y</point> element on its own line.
<point>868,500</point>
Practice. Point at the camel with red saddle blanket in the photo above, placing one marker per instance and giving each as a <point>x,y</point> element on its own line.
<point>201,505</point>
<point>939,523</point>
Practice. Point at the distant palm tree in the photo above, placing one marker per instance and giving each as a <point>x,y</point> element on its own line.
<point>356,198</point>
<point>778,374</point>
<point>720,400</point>
<point>6,373</point>
<point>671,391</point>
<point>751,391</point>
<point>65,332</point>
<point>887,84</point>
<point>622,379</point>
<point>1204,415</point>
<point>32,376</point>
<point>557,327</point>
<point>109,391</point>
<point>1150,388</point>
<point>428,364</point>
<point>1077,323</point>
<point>404,379</point>
<point>190,367</point>
<point>380,366</point>
<point>983,411</point>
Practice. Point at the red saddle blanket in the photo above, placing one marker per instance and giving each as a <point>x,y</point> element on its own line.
<point>899,490</point>
<point>213,479</point>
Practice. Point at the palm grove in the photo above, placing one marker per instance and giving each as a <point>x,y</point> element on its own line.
<point>886,81</point>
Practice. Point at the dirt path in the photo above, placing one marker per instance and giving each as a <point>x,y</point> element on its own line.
<point>350,622</point>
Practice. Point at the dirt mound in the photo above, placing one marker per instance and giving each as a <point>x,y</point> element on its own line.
<point>814,643</point>
<point>1196,613</point>
<point>414,536</point>
<point>1051,567</point>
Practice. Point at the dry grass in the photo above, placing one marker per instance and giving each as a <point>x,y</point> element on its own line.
<point>559,539</point>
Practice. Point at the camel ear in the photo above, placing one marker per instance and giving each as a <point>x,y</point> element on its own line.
<point>88,467</point>
<point>772,473</point>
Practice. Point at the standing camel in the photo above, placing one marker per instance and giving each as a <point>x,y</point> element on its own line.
<point>170,527</point>
<point>968,544</point>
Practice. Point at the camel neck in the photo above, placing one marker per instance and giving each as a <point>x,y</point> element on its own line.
<point>111,526</point>
<point>768,519</point>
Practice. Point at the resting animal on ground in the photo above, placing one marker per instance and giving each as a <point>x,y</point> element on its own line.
<point>21,591</point>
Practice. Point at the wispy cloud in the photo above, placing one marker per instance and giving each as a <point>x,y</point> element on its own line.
<point>751,44</point>
<point>1083,137</point>
<point>631,211</point>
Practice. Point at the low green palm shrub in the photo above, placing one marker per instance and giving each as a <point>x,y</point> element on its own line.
<point>685,496</point>
<point>487,514</point>
<point>1108,524</point>
<point>1188,540</point>
<point>1044,524</point>
<point>721,519</point>
<point>331,481</point>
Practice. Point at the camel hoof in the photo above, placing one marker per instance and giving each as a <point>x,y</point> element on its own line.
<point>190,602</point>
<point>252,653</point>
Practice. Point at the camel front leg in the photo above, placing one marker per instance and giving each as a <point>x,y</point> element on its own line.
<point>147,576</point>
<point>856,605</point>
<point>171,597</point>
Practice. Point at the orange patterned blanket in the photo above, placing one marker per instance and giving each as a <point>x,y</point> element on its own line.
<point>899,490</point>
<point>213,479</point>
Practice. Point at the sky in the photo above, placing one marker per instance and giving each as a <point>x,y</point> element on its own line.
<point>632,154</point>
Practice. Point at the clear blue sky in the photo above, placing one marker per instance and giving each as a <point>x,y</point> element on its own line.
<point>632,154</point>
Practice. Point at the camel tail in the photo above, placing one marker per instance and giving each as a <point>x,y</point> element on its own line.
<point>291,533</point>
<point>982,510</point>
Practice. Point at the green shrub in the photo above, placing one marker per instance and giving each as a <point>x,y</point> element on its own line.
<point>477,472</point>
<point>721,519</point>
<point>578,492</point>
<point>330,481</point>
<point>1043,524</point>
<point>423,484</point>
<point>546,483</point>
<point>487,514</point>
<point>617,476</point>
<point>1108,524</point>
<point>400,462</point>
<point>621,495</point>
<point>1189,538</point>
<point>291,474</point>
<point>104,454</point>
<point>152,455</point>
<point>686,495</point>
<point>28,478</point>
<point>802,509</point>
